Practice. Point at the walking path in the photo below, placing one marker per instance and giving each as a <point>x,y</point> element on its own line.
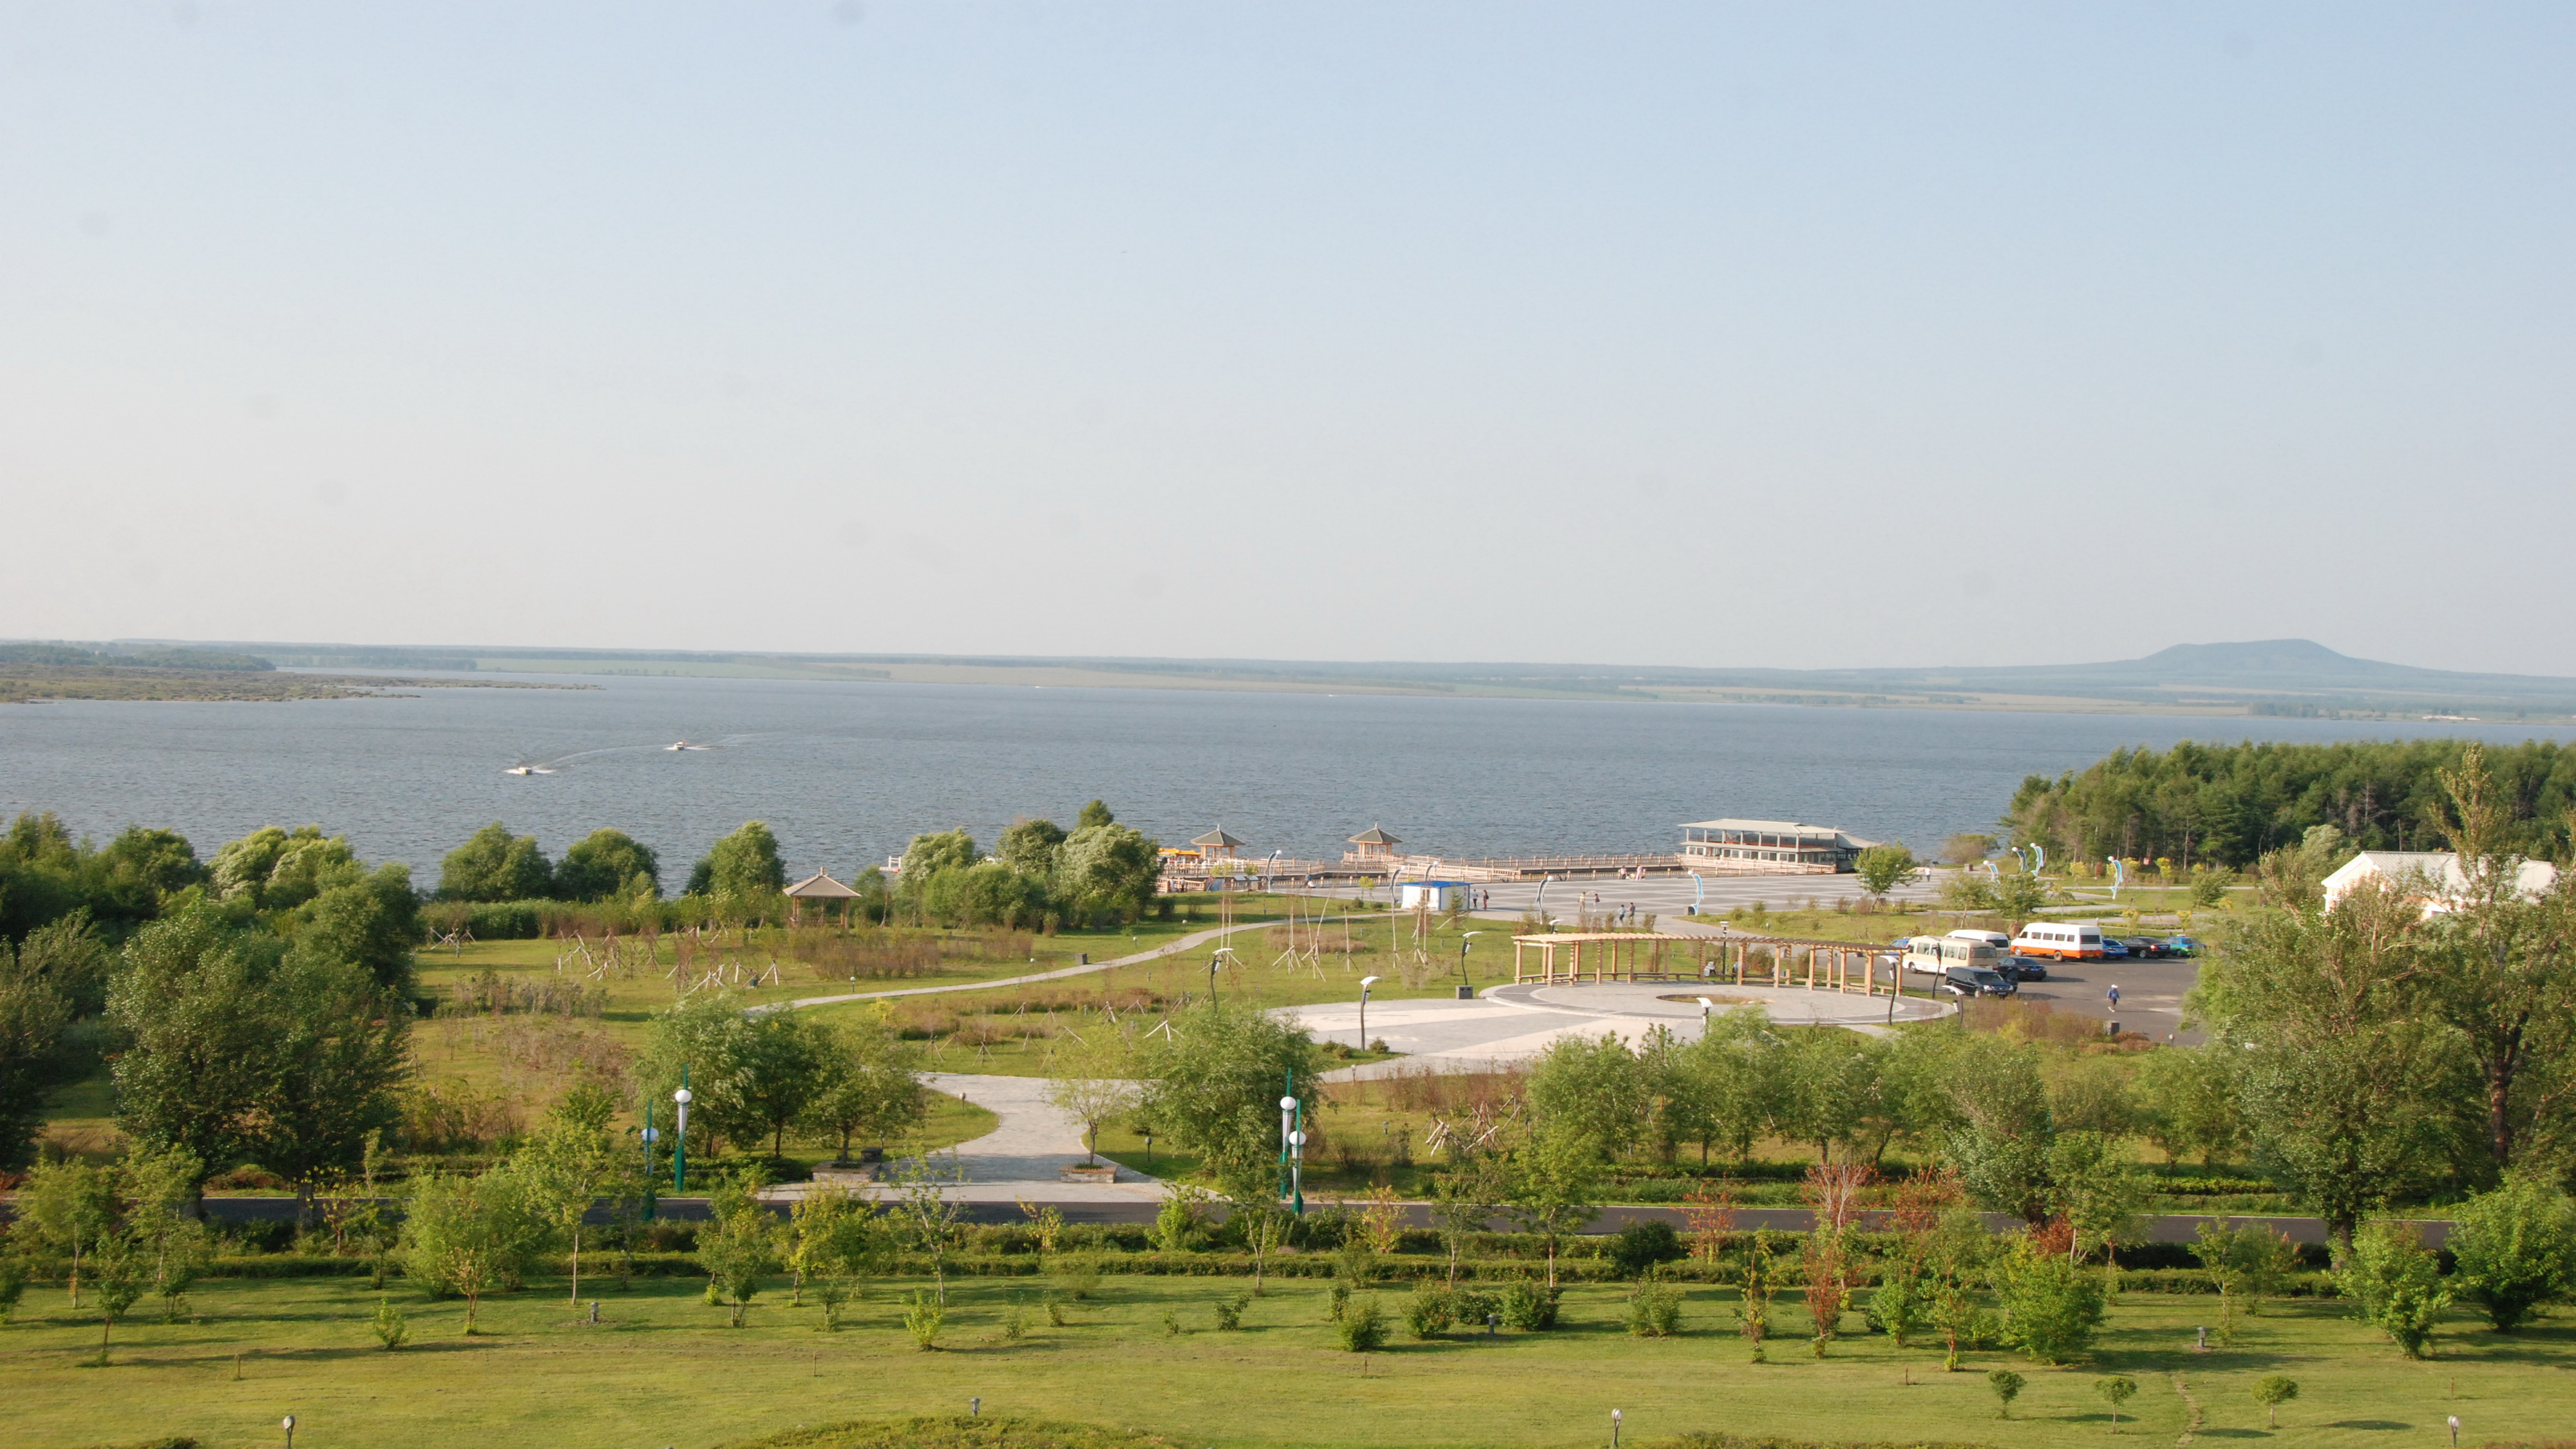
<point>1169,948</point>
<point>1017,1160</point>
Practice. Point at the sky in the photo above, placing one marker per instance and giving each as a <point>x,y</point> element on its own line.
<point>1706,334</point>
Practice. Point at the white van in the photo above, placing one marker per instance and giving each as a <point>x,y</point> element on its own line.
<point>1936,955</point>
<point>1996,939</point>
<point>2065,941</point>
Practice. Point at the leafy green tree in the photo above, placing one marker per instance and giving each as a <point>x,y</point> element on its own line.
<point>2348,1092</point>
<point>991,894</point>
<point>2020,894</point>
<point>200,1035</point>
<point>120,1275</point>
<point>338,1047</point>
<point>471,1235</point>
<point>2246,1262</point>
<point>707,1033</point>
<point>42,874</point>
<point>174,1249</point>
<point>68,955</point>
<point>1213,1084</point>
<point>372,922</point>
<point>2516,1249</point>
<point>1590,1090</point>
<point>1731,1078</point>
<point>930,854</point>
<point>2117,1389</point>
<point>276,870</point>
<point>2272,1391</point>
<point>743,866</point>
<point>868,1081</point>
<point>2188,1101</point>
<point>494,865</point>
<point>563,1170</point>
<point>1029,847</point>
<point>778,1074</point>
<point>1883,868</point>
<point>833,1239</point>
<point>1552,1181</point>
<point>2052,1305</point>
<point>34,1014</point>
<point>140,870</point>
<point>2096,1190</point>
<point>66,1211</point>
<point>1090,1078</point>
<point>608,865</point>
<point>2002,1144</point>
<point>2006,1386</point>
<point>1106,873</point>
<point>2387,1273</point>
<point>1823,1087</point>
<point>1094,814</point>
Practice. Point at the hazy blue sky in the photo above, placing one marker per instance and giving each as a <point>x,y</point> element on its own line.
<point>1780,334</point>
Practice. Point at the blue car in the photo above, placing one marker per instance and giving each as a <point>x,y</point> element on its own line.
<point>2112,949</point>
<point>2181,946</point>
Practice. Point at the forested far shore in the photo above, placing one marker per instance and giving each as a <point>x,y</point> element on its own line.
<point>2229,805</point>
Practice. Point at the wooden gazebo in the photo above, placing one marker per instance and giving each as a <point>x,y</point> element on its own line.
<point>1736,959</point>
<point>821,890</point>
<point>1373,844</point>
<point>1217,843</point>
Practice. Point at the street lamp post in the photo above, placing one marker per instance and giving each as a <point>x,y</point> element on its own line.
<point>1465,940</point>
<point>1365,983</point>
<point>680,1143</point>
<point>648,1137</point>
<point>290,1431</point>
<point>1614,1429</point>
<point>1292,1150</point>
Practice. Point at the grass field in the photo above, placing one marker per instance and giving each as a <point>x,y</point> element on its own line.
<point>662,1369</point>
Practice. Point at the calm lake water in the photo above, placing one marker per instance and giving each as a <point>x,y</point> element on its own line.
<point>847,773</point>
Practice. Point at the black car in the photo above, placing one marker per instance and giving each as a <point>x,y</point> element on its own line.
<point>1976,981</point>
<point>2022,968</point>
<point>2147,948</point>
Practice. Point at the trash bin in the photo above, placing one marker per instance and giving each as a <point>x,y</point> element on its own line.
<point>1466,993</point>
<point>1081,958</point>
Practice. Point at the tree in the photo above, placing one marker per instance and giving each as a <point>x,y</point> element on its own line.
<point>68,955</point>
<point>780,1073</point>
<point>139,871</point>
<point>1821,1089</point>
<point>34,1014</point>
<point>2503,975</point>
<point>200,1036</point>
<point>2386,1271</point>
<point>2188,1101</point>
<point>2272,1391</point>
<point>1091,1080</point>
<point>833,1236</point>
<point>1106,873</point>
<point>470,1235</point>
<point>2346,1091</point>
<point>2006,1386</point>
<point>1590,1090</point>
<point>2095,1191</point>
<point>1883,868</point>
<point>2002,1144</point>
<point>738,1247</point>
<point>1029,847</point>
<point>2117,1389</point>
<point>2245,1262</point>
<point>1093,814</point>
<point>494,865</point>
<point>743,866</point>
<point>299,865</point>
<point>66,1210</point>
<point>868,1081</point>
<point>706,1035</point>
<point>2516,1249</point>
<point>2052,1305</point>
<point>338,1046</point>
<point>564,1167</point>
<point>372,921</point>
<point>1213,1083</point>
<point>2020,894</point>
<point>1549,1184</point>
<point>119,1275</point>
<point>608,865</point>
<point>1731,1078</point>
<point>1463,1200</point>
<point>172,1248</point>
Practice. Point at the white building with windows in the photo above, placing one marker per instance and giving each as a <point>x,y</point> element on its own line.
<point>1768,847</point>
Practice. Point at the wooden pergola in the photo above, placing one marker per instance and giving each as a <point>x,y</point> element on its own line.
<point>1737,960</point>
<point>822,890</point>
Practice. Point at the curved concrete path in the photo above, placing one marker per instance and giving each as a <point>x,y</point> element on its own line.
<point>1017,1160</point>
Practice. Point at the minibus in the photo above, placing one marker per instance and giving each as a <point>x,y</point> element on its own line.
<point>2064,940</point>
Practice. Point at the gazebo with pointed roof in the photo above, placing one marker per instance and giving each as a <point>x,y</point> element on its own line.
<point>1216,842</point>
<point>1375,844</point>
<point>822,890</point>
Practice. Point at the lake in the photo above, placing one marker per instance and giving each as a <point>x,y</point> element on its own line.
<point>846,773</point>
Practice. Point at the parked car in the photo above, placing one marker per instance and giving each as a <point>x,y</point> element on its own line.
<point>2181,946</point>
<point>2113,949</point>
<point>2023,968</point>
<point>2146,948</point>
<point>1976,981</point>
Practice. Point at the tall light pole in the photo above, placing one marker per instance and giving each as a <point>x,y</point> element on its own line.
<point>680,1143</point>
<point>1292,1147</point>
<point>1365,983</point>
<point>648,1136</point>
<point>1465,939</point>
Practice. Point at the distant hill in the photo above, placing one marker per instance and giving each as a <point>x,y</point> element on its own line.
<point>2260,677</point>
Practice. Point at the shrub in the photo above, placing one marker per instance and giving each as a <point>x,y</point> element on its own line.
<point>2006,1386</point>
<point>2395,1283</point>
<point>1229,1312</point>
<point>2272,1392</point>
<point>923,1316</point>
<point>1654,1309</point>
<point>2516,1249</point>
<point>1338,1300</point>
<point>1363,1325</point>
<point>2052,1306</point>
<point>389,1325</point>
<point>2117,1390</point>
<point>1430,1311</point>
<point>1640,1246</point>
<point>1470,1309</point>
<point>1529,1304</point>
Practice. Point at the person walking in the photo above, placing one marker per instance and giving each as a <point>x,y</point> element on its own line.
<point>2115,996</point>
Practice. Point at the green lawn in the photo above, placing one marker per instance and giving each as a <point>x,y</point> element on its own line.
<point>661,1369</point>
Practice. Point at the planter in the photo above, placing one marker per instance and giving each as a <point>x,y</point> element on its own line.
<point>1078,1173</point>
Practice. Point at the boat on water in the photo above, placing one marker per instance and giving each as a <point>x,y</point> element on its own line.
<point>686,745</point>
